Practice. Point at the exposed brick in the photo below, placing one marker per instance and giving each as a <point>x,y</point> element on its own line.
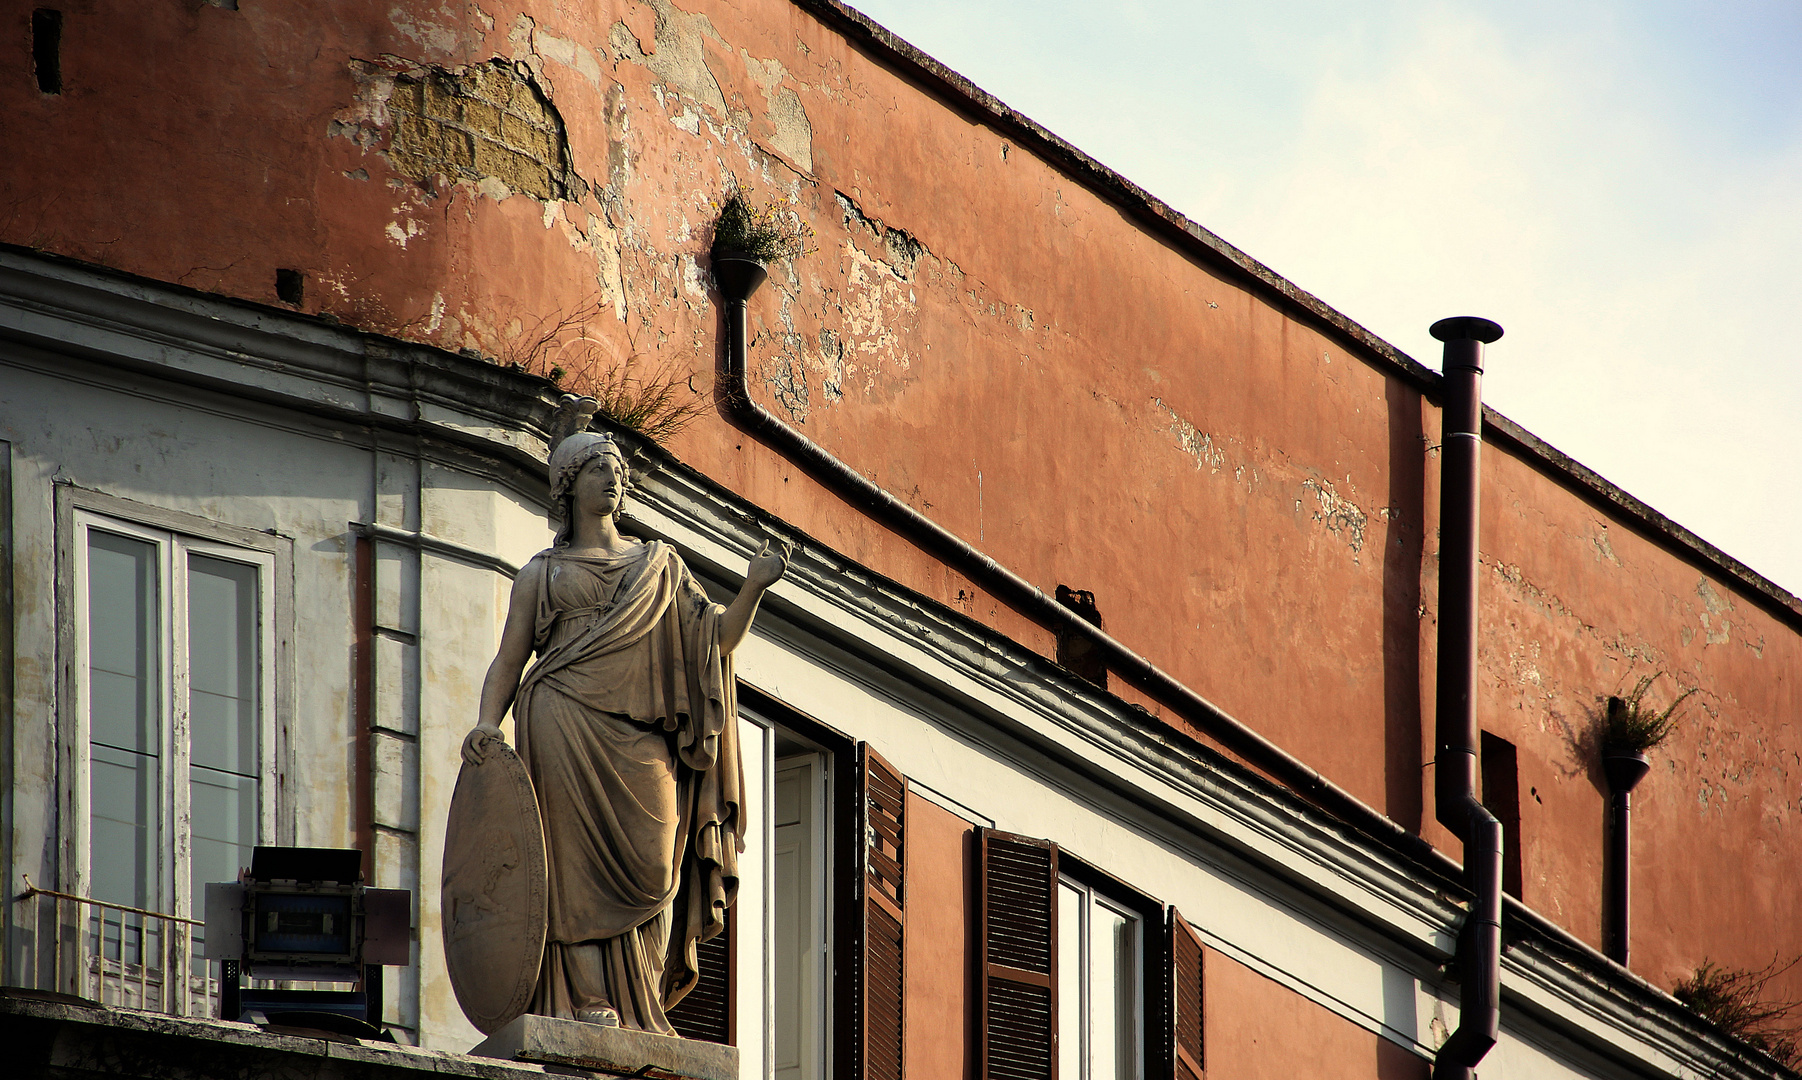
<point>514,169</point>
<point>524,136</point>
<point>528,104</point>
<point>487,121</point>
<point>492,83</point>
<point>484,119</point>
<point>424,142</point>
<point>408,96</point>
<point>441,103</point>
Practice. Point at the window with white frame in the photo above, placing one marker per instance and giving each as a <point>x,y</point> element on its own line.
<point>173,679</point>
<point>1100,952</point>
<point>800,923</point>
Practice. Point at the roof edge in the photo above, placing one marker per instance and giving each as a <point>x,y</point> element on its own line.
<point>1585,482</point>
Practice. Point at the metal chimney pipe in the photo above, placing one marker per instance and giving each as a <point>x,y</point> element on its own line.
<point>1455,713</point>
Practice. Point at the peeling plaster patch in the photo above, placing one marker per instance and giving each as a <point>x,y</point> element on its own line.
<point>623,44</point>
<point>1524,660</point>
<point>1518,584</point>
<point>678,57</point>
<point>1199,445</point>
<point>786,377</point>
<point>689,121</point>
<point>1341,517</point>
<point>793,137</point>
<point>1714,607</point>
<point>691,278</point>
<point>400,233</point>
<point>438,38</point>
<point>865,315</point>
<point>901,250</point>
<point>603,241</point>
<point>765,73</point>
<point>832,353</point>
<point>565,52</point>
<point>1604,549</point>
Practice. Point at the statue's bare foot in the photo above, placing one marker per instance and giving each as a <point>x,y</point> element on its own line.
<point>605,1016</point>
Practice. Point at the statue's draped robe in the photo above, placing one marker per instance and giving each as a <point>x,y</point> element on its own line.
<point>628,726</point>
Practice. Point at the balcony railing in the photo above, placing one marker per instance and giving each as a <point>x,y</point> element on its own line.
<point>111,953</point>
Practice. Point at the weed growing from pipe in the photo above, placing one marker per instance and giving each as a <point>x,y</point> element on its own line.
<point>1631,726</point>
<point>1734,1000</point>
<point>767,232</point>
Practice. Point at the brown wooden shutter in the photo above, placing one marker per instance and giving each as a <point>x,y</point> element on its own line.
<point>1184,954</point>
<point>883,884</point>
<point>705,1012</point>
<point>1018,933</point>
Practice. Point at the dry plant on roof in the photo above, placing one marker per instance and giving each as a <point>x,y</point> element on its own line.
<point>766,232</point>
<point>1735,1000</point>
<point>1632,726</point>
<point>657,401</point>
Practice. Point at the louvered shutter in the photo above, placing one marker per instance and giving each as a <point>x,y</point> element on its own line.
<point>705,1012</point>
<point>883,884</point>
<point>1019,957</point>
<point>1184,955</point>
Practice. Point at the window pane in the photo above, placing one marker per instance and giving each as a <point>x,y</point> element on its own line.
<point>122,658</point>
<point>222,658</point>
<point>793,884</point>
<point>1113,1051</point>
<point>122,801</point>
<point>124,721</point>
<point>1070,910</point>
<point>223,809</point>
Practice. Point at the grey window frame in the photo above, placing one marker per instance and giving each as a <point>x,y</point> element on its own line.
<point>79,509</point>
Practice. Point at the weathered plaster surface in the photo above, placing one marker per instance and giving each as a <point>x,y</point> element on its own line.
<point>1250,494</point>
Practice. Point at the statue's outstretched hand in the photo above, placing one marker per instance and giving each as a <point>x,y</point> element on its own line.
<point>475,744</point>
<point>768,566</point>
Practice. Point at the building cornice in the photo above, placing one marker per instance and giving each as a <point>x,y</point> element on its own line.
<point>903,644</point>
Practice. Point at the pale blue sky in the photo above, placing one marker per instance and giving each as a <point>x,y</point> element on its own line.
<point>1618,184</point>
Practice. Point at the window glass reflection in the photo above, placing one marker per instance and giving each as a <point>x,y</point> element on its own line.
<point>124,721</point>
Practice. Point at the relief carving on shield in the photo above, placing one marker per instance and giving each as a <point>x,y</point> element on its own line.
<point>494,906</point>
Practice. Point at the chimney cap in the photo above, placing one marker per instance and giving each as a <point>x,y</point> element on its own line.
<point>1460,327</point>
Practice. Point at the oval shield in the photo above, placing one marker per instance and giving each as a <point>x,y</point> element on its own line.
<point>494,906</point>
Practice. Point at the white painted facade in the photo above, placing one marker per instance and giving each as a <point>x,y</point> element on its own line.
<point>232,423</point>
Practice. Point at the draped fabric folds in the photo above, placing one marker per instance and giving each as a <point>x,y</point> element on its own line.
<point>628,724</point>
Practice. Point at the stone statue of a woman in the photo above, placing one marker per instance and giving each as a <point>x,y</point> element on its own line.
<point>628,727</point>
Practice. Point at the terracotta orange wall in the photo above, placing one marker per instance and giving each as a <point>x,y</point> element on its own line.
<point>1250,497</point>
<point>1256,1029</point>
<point>941,866</point>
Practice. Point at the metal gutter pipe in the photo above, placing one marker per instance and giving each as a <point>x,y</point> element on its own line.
<point>1623,773</point>
<point>1455,714</point>
<point>1480,940</point>
<point>738,278</point>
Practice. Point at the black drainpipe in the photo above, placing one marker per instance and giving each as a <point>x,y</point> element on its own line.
<point>1455,761</point>
<point>738,278</point>
<point>1623,771</point>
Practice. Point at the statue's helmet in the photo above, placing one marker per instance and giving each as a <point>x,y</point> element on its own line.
<point>573,453</point>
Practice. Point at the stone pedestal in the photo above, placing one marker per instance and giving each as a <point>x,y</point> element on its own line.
<point>547,1040</point>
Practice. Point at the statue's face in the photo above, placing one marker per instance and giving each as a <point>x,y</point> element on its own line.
<point>601,486</point>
